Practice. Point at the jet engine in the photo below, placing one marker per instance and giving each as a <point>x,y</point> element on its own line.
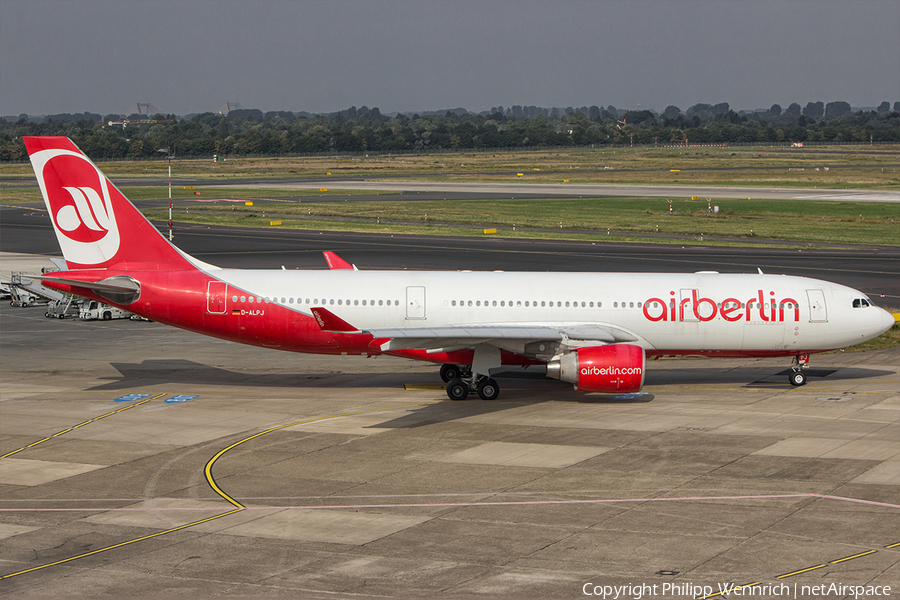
<point>614,368</point>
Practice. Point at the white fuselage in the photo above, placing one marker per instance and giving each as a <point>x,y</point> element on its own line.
<point>665,312</point>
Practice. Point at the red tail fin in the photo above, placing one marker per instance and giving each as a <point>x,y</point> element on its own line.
<point>97,227</point>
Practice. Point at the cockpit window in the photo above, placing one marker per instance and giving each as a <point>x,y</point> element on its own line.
<point>860,303</point>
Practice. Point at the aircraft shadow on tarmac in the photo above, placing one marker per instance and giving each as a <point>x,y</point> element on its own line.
<point>187,372</point>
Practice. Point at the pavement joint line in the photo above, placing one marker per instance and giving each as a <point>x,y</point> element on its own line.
<point>88,422</point>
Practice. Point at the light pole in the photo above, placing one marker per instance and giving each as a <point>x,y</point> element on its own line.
<point>170,154</point>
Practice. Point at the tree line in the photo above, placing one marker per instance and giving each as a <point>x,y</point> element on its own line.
<point>359,130</point>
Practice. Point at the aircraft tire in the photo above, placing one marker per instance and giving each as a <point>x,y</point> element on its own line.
<point>449,372</point>
<point>457,389</point>
<point>488,389</point>
<point>798,378</point>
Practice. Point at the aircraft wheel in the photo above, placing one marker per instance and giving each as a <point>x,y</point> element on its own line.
<point>488,389</point>
<point>449,372</point>
<point>798,378</point>
<point>457,389</point>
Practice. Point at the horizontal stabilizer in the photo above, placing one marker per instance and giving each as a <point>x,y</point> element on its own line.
<point>96,286</point>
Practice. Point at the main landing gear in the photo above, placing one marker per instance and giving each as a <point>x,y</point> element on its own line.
<point>461,383</point>
<point>797,376</point>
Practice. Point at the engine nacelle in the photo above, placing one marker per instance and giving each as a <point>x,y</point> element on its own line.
<point>616,368</point>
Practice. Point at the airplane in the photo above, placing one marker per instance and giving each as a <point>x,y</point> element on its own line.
<point>594,330</point>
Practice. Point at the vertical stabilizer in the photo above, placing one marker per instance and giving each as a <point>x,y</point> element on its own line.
<point>97,227</point>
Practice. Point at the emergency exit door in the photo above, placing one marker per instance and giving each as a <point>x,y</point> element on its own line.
<point>415,302</point>
<point>817,311</point>
<point>216,293</point>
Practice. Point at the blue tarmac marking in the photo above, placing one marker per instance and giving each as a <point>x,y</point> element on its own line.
<point>130,397</point>
<point>179,398</point>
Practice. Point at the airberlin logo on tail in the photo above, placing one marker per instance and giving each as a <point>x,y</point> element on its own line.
<point>86,215</point>
<point>78,198</point>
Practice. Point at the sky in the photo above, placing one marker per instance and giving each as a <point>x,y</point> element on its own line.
<point>190,56</point>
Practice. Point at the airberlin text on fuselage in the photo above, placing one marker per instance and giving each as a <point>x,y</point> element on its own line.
<point>595,370</point>
<point>763,307</point>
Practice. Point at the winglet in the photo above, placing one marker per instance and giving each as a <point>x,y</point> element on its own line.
<point>328,321</point>
<point>336,262</point>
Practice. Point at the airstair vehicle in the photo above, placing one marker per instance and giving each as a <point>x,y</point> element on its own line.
<point>27,291</point>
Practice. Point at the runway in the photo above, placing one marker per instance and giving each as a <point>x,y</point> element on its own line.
<point>143,461</point>
<point>591,190</point>
<point>430,190</point>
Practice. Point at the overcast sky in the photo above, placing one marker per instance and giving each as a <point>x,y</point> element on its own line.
<point>400,55</point>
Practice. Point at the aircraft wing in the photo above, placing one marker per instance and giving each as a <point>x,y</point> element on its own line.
<point>428,338</point>
<point>463,336</point>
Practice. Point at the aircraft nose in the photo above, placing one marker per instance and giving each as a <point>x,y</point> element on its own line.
<point>887,320</point>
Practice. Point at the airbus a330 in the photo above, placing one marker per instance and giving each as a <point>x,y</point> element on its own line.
<point>594,330</point>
